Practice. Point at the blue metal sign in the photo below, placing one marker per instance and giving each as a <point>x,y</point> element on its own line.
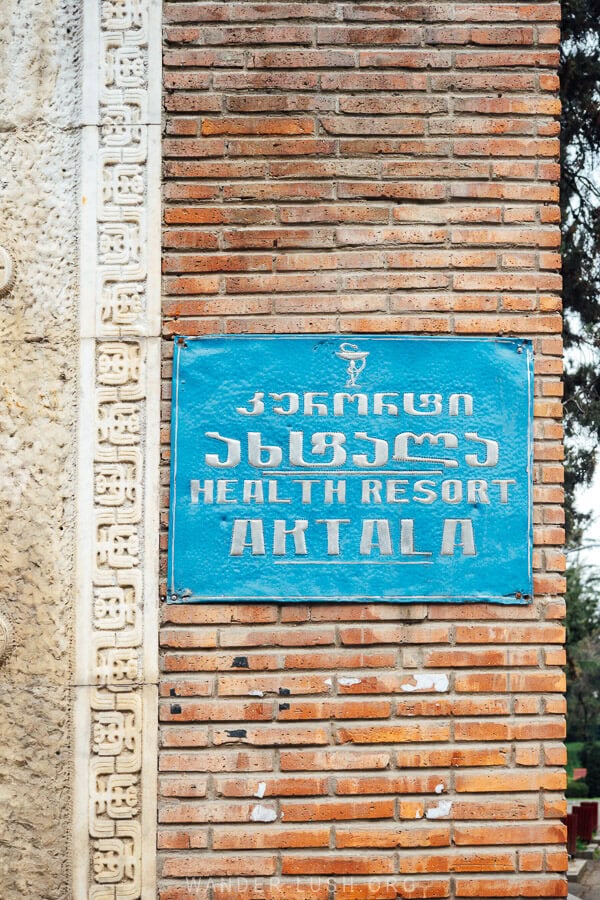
<point>349,468</point>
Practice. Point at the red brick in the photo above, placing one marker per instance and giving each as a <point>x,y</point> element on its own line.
<point>271,736</point>
<point>333,759</point>
<point>521,887</point>
<point>272,787</point>
<point>278,891</point>
<point>393,836</point>
<point>333,34</point>
<point>390,784</point>
<point>337,864</point>
<point>532,780</point>
<point>261,839</point>
<point>300,59</point>
<point>405,59</point>
<point>260,34</point>
<point>501,59</point>
<point>380,168</point>
<point>392,734</point>
<point>337,810</point>
<point>218,865</point>
<point>495,808</point>
<point>216,761</point>
<point>332,709</point>
<point>257,125</point>
<point>496,861</point>
<point>209,712</point>
<point>509,834</point>
<point>454,756</point>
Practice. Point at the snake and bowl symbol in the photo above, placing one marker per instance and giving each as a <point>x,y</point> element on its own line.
<point>356,359</point>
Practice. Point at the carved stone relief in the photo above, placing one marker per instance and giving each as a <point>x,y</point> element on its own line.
<point>7,271</point>
<point>6,637</point>
<point>120,341</point>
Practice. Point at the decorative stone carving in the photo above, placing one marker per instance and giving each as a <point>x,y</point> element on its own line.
<point>6,638</point>
<point>119,173</point>
<point>7,271</point>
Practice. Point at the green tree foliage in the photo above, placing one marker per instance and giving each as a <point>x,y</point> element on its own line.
<point>577,789</point>
<point>590,757</point>
<point>583,655</point>
<point>580,206</point>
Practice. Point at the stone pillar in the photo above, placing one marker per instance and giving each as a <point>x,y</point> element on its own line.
<point>118,461</point>
<point>80,378</point>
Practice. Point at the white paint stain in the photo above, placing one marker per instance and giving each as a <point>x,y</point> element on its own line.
<point>256,693</point>
<point>443,808</point>
<point>328,682</point>
<point>439,788</point>
<point>418,814</point>
<point>263,814</point>
<point>348,682</point>
<point>427,683</point>
<point>260,791</point>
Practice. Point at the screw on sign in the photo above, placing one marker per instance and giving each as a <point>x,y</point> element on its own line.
<point>6,271</point>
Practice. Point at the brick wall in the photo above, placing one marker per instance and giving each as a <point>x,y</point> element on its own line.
<point>380,167</point>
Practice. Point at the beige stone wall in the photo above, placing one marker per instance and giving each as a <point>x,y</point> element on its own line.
<point>39,162</point>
